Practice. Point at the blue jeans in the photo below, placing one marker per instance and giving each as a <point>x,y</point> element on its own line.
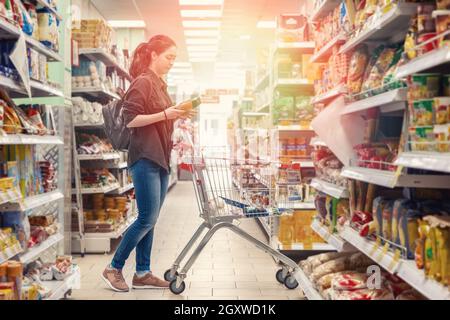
<point>150,182</point>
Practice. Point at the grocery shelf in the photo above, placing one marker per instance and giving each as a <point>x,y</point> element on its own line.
<point>89,125</point>
<point>95,92</point>
<point>293,128</point>
<point>104,189</point>
<point>120,165</point>
<point>335,240</point>
<point>302,86</point>
<point>324,9</point>
<point>122,190</point>
<point>297,206</point>
<point>38,89</point>
<point>324,54</point>
<point>330,189</point>
<point>59,289</point>
<point>9,31</point>
<point>24,139</point>
<point>433,161</point>
<point>424,62</point>
<point>395,21</point>
<point>34,252</point>
<point>103,156</point>
<point>32,202</point>
<point>405,269</point>
<point>10,252</point>
<point>324,98</point>
<point>115,234</point>
<point>306,286</point>
<point>393,100</point>
<point>391,179</point>
<point>301,247</point>
<point>10,196</point>
<point>294,47</point>
<point>15,87</point>
<point>45,4</point>
<point>99,54</point>
<point>264,108</point>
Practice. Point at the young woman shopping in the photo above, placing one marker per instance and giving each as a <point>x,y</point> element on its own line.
<point>149,113</point>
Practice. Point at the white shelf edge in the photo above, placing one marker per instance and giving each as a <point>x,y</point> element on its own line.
<point>306,286</point>
<point>329,95</point>
<point>317,57</point>
<point>34,253</point>
<point>264,225</point>
<point>94,90</point>
<point>400,10</point>
<point>10,253</point>
<point>60,288</point>
<point>300,247</point>
<point>23,139</point>
<point>334,240</point>
<point>326,7</point>
<point>293,128</point>
<point>385,99</point>
<point>33,202</point>
<point>424,62</point>
<point>11,195</point>
<point>108,58</point>
<point>425,160</point>
<point>330,189</point>
<point>405,269</point>
<point>104,189</point>
<point>298,206</point>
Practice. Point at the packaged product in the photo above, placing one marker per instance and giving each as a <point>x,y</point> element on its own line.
<point>411,38</point>
<point>443,4</point>
<point>377,209</point>
<point>324,283</point>
<point>408,232</point>
<point>371,191</point>
<point>425,23</point>
<point>48,28</point>
<point>410,295</point>
<point>358,64</point>
<point>422,138</point>
<point>11,122</point>
<point>313,262</point>
<point>401,206</point>
<point>446,87</point>
<point>430,249</point>
<point>424,86</point>
<point>375,76</point>
<point>442,109</point>
<point>430,44</point>
<point>387,220</point>
<point>292,28</point>
<point>442,134</point>
<point>364,294</point>
<point>349,281</point>
<point>423,112</point>
<point>336,265</point>
<point>359,260</point>
<point>443,25</point>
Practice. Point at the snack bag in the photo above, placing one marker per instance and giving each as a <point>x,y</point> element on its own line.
<point>358,64</point>
<point>408,231</point>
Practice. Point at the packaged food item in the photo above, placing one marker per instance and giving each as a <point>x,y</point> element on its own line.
<point>358,261</point>
<point>424,86</point>
<point>443,4</point>
<point>358,64</point>
<point>442,109</point>
<point>401,206</point>
<point>313,262</point>
<point>333,266</point>
<point>324,283</point>
<point>349,281</point>
<point>430,44</point>
<point>411,38</point>
<point>442,25</point>
<point>422,138</point>
<point>190,104</point>
<point>423,112</point>
<point>364,294</point>
<point>425,23</point>
<point>377,72</point>
<point>48,28</point>
<point>377,209</point>
<point>446,87</point>
<point>442,133</point>
<point>387,220</point>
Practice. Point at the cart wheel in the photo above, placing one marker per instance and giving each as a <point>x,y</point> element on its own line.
<point>281,275</point>
<point>177,290</point>
<point>290,282</point>
<point>168,277</point>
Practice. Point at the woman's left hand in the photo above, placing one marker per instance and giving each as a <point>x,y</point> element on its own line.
<point>189,114</point>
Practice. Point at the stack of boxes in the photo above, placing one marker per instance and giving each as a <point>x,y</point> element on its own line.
<point>93,34</point>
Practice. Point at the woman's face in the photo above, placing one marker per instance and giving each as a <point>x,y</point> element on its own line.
<point>164,62</point>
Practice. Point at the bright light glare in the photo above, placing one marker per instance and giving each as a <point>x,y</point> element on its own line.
<point>266,24</point>
<point>126,23</point>
<point>202,54</point>
<point>201,33</point>
<point>182,64</point>
<point>190,41</point>
<point>201,24</point>
<point>201,48</point>
<point>200,2</point>
<point>201,13</point>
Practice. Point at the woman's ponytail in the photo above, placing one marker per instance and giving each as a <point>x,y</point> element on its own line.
<point>142,56</point>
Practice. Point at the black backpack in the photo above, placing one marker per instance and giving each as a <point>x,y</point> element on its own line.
<point>114,125</point>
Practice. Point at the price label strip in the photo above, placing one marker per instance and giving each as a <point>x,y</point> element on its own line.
<point>395,261</point>
<point>383,253</point>
<point>375,247</point>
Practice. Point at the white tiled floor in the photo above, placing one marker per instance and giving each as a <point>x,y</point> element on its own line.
<point>228,268</point>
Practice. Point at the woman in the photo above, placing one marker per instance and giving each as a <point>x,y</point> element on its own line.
<point>149,114</point>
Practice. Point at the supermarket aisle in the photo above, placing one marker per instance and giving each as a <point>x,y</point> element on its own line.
<point>229,268</point>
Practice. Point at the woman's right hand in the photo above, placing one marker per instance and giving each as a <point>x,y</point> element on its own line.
<point>173,113</point>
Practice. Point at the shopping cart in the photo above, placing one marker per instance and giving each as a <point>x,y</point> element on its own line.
<point>222,202</point>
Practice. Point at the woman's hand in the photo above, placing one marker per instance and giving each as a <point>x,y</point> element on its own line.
<point>189,114</point>
<point>174,113</point>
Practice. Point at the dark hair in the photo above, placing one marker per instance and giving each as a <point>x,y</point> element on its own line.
<point>142,56</point>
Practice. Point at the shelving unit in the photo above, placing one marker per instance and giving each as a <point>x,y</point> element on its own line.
<point>325,7</point>
<point>328,96</point>
<point>425,62</point>
<point>10,196</point>
<point>34,252</point>
<point>306,286</point>
<point>390,101</point>
<point>405,269</point>
<point>10,252</point>
<point>105,189</point>
<point>432,161</point>
<point>60,289</point>
<point>323,55</point>
<point>333,239</point>
<point>330,189</point>
<point>396,21</point>
<point>99,54</point>
<point>99,93</point>
<point>301,247</point>
<point>104,156</point>
<point>29,203</point>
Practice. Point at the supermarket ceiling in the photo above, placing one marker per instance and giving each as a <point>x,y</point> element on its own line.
<point>230,37</point>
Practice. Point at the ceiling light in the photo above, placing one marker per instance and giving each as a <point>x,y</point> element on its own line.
<point>201,33</point>
<point>126,23</point>
<point>269,24</point>
<point>190,41</point>
<point>201,48</point>
<point>201,13</point>
<point>201,23</point>
<point>200,2</point>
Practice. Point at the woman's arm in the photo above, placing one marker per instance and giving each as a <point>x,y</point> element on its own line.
<point>142,120</point>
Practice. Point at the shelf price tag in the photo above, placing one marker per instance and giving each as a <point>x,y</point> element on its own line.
<point>395,261</point>
<point>375,247</point>
<point>383,252</point>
